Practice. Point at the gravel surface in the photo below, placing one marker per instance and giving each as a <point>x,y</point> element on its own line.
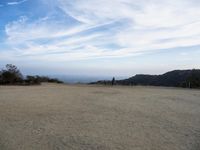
<point>81,117</point>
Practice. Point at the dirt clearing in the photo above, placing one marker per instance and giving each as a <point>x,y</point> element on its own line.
<point>64,117</point>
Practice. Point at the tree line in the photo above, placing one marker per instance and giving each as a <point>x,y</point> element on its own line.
<point>11,75</point>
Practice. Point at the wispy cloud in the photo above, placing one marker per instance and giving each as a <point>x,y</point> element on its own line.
<point>16,2</point>
<point>106,29</point>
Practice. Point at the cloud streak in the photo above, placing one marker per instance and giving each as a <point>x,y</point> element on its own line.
<point>16,2</point>
<point>105,29</point>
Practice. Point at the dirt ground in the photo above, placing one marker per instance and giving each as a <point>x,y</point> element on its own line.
<point>81,117</point>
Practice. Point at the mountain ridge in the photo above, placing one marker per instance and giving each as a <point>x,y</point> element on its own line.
<point>175,78</point>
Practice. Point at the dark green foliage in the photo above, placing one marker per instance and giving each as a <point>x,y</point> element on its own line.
<point>40,79</point>
<point>54,81</point>
<point>12,76</point>
<point>194,79</point>
<point>32,80</point>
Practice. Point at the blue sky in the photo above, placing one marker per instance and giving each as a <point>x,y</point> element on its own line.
<point>100,37</point>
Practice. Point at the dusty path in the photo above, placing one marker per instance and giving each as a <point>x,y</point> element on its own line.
<point>61,117</point>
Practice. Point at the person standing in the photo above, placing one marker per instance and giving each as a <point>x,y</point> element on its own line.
<point>113,81</point>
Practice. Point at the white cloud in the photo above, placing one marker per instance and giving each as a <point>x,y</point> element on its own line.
<point>150,13</point>
<point>150,25</point>
<point>21,30</point>
<point>16,2</point>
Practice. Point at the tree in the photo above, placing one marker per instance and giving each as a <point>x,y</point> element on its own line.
<point>33,80</point>
<point>194,79</point>
<point>11,75</point>
<point>1,77</point>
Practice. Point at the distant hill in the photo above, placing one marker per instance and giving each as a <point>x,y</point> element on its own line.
<point>176,78</point>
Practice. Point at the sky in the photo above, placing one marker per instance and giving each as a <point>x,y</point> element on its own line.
<point>100,37</point>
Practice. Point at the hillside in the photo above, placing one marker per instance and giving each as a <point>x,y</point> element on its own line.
<point>176,78</point>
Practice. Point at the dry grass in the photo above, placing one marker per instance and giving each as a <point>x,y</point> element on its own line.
<point>62,117</point>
